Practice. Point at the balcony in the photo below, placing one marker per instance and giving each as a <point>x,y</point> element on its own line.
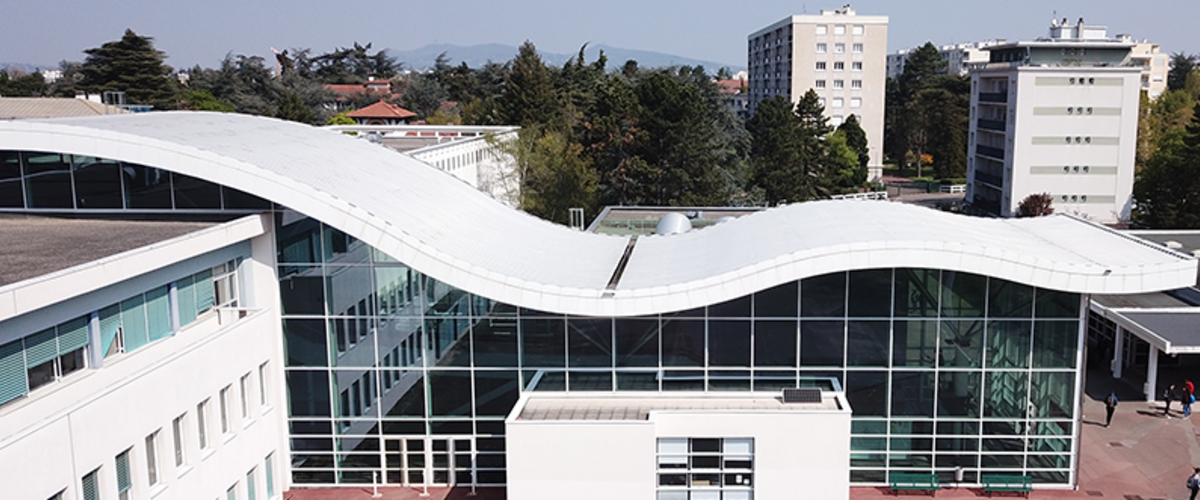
<point>997,125</point>
<point>989,178</point>
<point>999,97</point>
<point>997,153</point>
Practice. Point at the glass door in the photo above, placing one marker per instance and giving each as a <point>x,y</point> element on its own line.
<point>440,461</point>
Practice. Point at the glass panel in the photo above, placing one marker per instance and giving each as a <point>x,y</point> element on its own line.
<point>959,393</point>
<point>302,290</point>
<point>729,380</point>
<point>235,199</point>
<point>637,381</point>
<point>1052,304</point>
<point>1005,395</point>
<point>97,183</point>
<point>1055,344</point>
<point>957,443</point>
<point>637,342</point>
<point>823,296</point>
<point>963,294</point>
<point>496,392</point>
<point>729,343</point>
<point>450,393</point>
<point>308,393</point>
<point>146,187</point>
<point>590,381</point>
<point>48,180</point>
<point>11,192</point>
<point>590,342</point>
<point>867,392</point>
<point>304,341</point>
<point>736,308</point>
<point>682,380</point>
<point>912,393</point>
<point>774,380</point>
<point>1008,344</point>
<point>192,193</point>
<point>917,292</point>
<point>543,342</point>
<point>775,343</point>
<point>683,342</point>
<point>858,426</point>
<point>412,401</point>
<point>1053,395</point>
<point>914,343</point>
<point>867,343</point>
<point>822,343</point>
<point>1009,300</point>
<point>961,344</point>
<point>495,341</point>
<point>871,293</point>
<point>777,302</point>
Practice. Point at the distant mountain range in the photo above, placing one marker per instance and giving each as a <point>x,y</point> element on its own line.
<point>476,55</point>
<point>26,67</point>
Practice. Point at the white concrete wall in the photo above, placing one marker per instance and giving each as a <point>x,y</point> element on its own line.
<point>585,460</point>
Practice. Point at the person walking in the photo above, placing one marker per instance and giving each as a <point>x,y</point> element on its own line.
<point>1193,483</point>
<point>1168,393</point>
<point>1110,406</point>
<point>1188,399</point>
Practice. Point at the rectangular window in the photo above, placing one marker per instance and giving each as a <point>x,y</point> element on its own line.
<point>858,29</point>
<point>225,285</point>
<point>152,458</point>
<point>839,66</point>
<point>91,486</point>
<point>821,48</point>
<point>839,29</point>
<point>839,48</point>
<point>822,29</point>
<point>856,84</point>
<point>177,437</point>
<point>857,48</point>
<point>856,65</point>
<point>124,484</point>
<point>821,102</point>
<point>269,470</point>
<point>856,102</point>
<point>705,468</point>
<point>202,423</point>
<point>838,102</point>
<point>250,490</point>
<point>839,84</point>
<point>223,401</point>
<point>244,386</point>
<point>262,384</point>
<point>231,493</point>
<point>820,65</point>
<point>820,84</point>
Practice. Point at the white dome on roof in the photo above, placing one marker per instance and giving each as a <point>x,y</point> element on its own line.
<point>673,223</point>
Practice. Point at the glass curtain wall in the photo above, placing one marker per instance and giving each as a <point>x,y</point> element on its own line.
<point>392,372</point>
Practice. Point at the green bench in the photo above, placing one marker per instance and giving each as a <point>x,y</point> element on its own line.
<point>1007,482</point>
<point>924,482</point>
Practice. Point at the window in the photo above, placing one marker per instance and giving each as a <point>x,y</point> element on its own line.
<point>225,284</point>
<point>262,384</point>
<point>709,468</point>
<point>44,357</point>
<point>856,84</point>
<point>202,423</point>
<point>838,102</point>
<point>250,485</point>
<point>152,458</point>
<point>231,493</point>
<point>836,120</point>
<point>90,485</point>
<point>839,48</point>
<point>856,65</point>
<point>244,385</point>
<point>858,29</point>
<point>822,29</point>
<point>820,65</point>
<point>821,102</point>
<point>177,438</point>
<point>123,482</point>
<point>839,84</point>
<point>820,84</point>
<point>839,29</point>
<point>855,102</point>
<point>857,48</point>
<point>821,48</point>
<point>839,66</point>
<point>269,471</point>
<point>223,401</point>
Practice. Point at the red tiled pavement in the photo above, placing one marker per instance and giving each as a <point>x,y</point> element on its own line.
<point>395,493</point>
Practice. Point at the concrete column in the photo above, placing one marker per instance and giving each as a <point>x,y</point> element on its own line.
<point>1118,361</point>
<point>1151,374</point>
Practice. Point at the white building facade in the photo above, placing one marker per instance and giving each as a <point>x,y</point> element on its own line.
<point>1056,116</point>
<point>960,58</point>
<point>839,54</point>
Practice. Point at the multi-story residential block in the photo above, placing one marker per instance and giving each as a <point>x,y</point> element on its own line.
<point>839,54</point>
<point>960,58</point>
<point>1155,65</point>
<point>1058,116</point>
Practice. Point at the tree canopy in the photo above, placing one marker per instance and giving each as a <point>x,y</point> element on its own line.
<point>131,65</point>
<point>927,114</point>
<point>1167,188</point>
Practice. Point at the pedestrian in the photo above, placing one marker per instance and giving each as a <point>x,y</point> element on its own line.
<point>1188,399</point>
<point>1190,388</point>
<point>1193,483</point>
<point>1168,393</point>
<point>1110,406</point>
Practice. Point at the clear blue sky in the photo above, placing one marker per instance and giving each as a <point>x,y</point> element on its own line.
<point>47,31</point>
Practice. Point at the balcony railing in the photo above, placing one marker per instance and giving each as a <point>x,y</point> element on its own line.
<point>1000,97</point>
<point>989,178</point>
<point>997,125</point>
<point>997,153</point>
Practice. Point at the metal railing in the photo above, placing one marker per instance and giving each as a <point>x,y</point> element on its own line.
<point>873,195</point>
<point>997,153</point>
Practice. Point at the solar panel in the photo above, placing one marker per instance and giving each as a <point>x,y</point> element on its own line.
<point>807,395</point>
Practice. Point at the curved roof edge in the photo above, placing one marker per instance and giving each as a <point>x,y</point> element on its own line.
<point>353,186</point>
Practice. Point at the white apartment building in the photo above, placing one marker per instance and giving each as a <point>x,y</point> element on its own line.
<point>960,58</point>
<point>839,54</point>
<point>1057,116</point>
<point>1155,65</point>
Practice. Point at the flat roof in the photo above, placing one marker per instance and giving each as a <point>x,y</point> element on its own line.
<point>1156,300</point>
<point>1181,329</point>
<point>639,408</point>
<point>32,246</point>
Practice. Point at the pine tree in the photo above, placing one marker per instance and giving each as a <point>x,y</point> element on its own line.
<point>1167,189</point>
<point>856,139</point>
<point>529,96</point>
<point>788,155</point>
<point>131,65</point>
<point>292,107</point>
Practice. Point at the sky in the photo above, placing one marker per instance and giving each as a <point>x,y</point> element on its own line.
<point>47,31</point>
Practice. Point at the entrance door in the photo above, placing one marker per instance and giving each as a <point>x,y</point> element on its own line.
<point>430,461</point>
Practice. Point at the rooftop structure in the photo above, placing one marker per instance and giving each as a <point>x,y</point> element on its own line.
<point>381,113</point>
<point>20,108</point>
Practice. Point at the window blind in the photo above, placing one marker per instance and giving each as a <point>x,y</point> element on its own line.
<point>204,290</point>
<point>158,313</point>
<point>73,335</point>
<point>185,293</point>
<point>250,490</point>
<point>269,471</point>
<point>110,324</point>
<point>14,381</point>
<point>91,490</point>
<point>123,482</point>
<point>133,323</point>
<point>41,347</point>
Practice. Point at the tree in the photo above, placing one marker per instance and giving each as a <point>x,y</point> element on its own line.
<point>554,175</point>
<point>203,100</point>
<point>682,146</point>
<point>15,84</point>
<point>786,152</point>
<point>1036,205</point>
<point>131,65</point>
<point>1182,65</point>
<point>856,139</point>
<point>292,107</point>
<point>424,94</point>
<point>529,97</point>
<point>842,165</point>
<point>340,119</point>
<point>1167,189</point>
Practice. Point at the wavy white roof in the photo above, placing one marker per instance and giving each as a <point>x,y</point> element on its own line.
<point>444,228</point>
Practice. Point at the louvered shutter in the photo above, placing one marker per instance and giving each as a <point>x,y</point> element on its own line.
<point>158,313</point>
<point>204,290</point>
<point>133,323</point>
<point>41,347</point>
<point>91,490</point>
<point>73,335</point>
<point>14,381</point>
<point>110,324</point>
<point>123,482</point>
<point>185,295</point>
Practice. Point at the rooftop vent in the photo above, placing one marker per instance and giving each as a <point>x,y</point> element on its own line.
<point>673,223</point>
<point>1173,245</point>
